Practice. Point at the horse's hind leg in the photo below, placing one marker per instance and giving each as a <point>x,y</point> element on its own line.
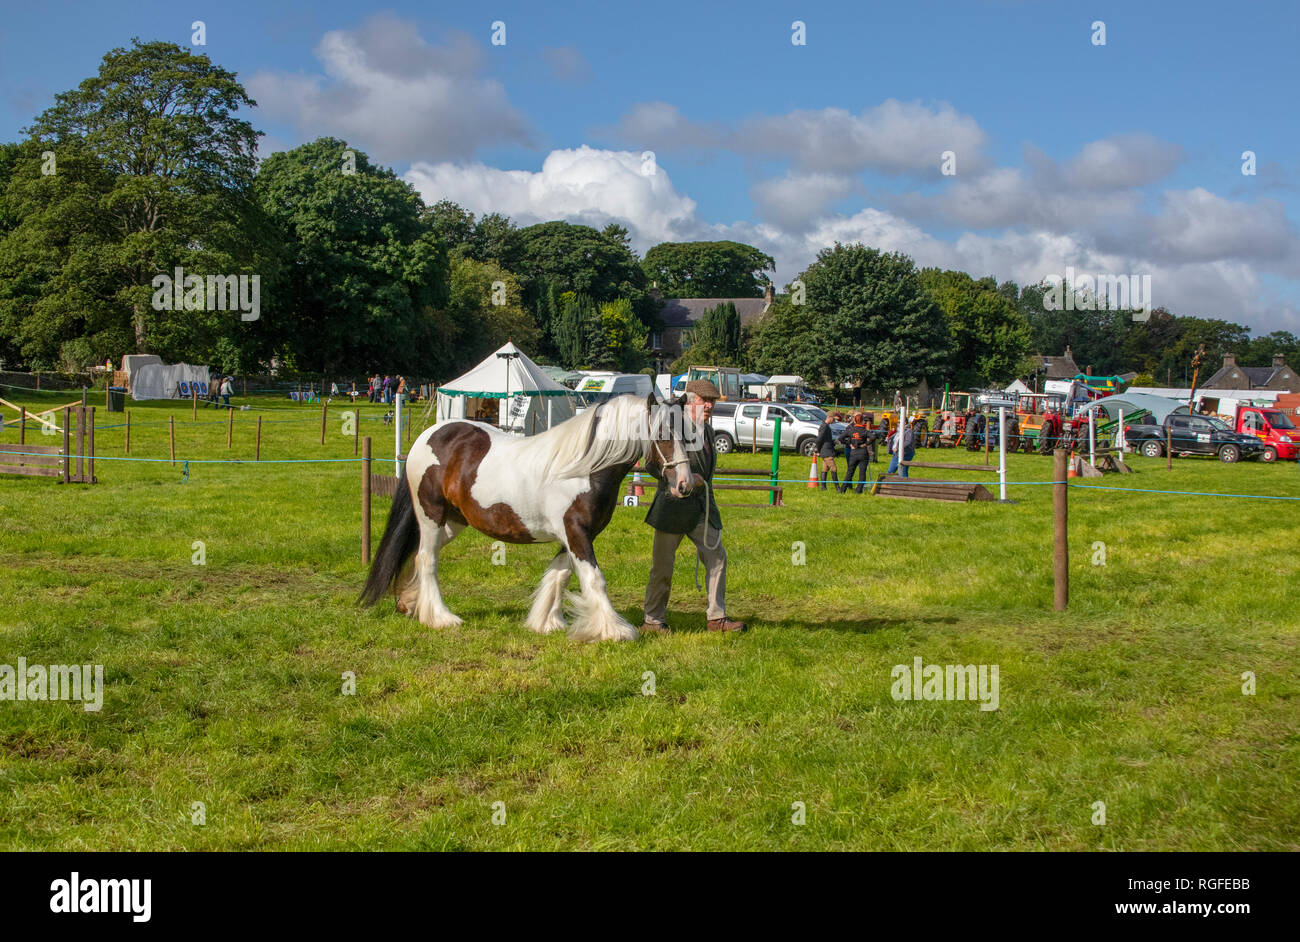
<point>422,596</point>
<point>546,615</point>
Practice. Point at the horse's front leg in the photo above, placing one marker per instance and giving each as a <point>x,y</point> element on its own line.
<point>594,616</point>
<point>547,615</point>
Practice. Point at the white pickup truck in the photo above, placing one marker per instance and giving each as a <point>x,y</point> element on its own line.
<point>738,424</point>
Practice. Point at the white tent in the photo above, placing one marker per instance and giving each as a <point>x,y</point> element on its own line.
<point>168,381</point>
<point>1017,387</point>
<point>527,400</point>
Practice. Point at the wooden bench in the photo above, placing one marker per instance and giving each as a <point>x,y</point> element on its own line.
<point>892,485</point>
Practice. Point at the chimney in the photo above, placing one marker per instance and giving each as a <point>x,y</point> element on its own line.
<point>769,296</point>
<point>1229,359</point>
<point>1279,361</point>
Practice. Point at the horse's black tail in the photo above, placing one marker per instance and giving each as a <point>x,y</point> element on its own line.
<point>401,540</point>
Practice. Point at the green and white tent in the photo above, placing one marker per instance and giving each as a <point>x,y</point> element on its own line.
<point>527,401</point>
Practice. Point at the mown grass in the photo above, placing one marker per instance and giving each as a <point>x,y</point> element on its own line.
<point>223,680</point>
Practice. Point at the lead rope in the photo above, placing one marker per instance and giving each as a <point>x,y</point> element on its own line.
<point>708,499</point>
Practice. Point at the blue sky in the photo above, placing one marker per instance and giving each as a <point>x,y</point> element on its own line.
<point>1122,158</point>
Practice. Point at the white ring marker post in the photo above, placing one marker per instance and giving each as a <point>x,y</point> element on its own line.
<point>1002,453</point>
<point>397,447</point>
<point>1119,438</point>
<point>1092,437</point>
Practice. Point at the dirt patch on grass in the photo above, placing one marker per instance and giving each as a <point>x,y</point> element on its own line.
<point>24,745</point>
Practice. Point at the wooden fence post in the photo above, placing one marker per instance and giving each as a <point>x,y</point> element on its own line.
<point>1060,521</point>
<point>323,407</point>
<point>67,446</point>
<point>128,431</point>
<point>194,402</point>
<point>257,455</point>
<point>1169,448</point>
<point>365,502</point>
<point>22,425</point>
<point>230,426</point>
<point>171,437</point>
<point>81,442</point>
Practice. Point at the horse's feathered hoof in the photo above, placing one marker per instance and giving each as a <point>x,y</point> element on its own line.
<point>595,622</point>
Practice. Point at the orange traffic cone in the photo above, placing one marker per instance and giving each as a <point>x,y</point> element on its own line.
<point>812,474</point>
<point>1074,467</point>
<point>637,489</point>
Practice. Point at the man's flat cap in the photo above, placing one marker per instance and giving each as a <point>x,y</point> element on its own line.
<point>703,388</point>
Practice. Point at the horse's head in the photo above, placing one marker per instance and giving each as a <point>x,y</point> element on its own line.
<point>666,449</point>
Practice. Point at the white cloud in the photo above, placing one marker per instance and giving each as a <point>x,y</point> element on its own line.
<point>389,92</point>
<point>1129,160</point>
<point>585,185</point>
<point>893,137</point>
<point>792,202</point>
<point>1178,248</point>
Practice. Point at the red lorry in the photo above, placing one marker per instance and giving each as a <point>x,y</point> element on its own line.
<point>1274,428</point>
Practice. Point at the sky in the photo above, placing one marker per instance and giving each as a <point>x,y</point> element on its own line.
<point>686,121</point>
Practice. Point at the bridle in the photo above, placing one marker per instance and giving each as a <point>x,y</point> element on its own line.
<point>681,462</point>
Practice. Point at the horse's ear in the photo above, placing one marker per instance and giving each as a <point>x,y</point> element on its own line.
<point>651,401</point>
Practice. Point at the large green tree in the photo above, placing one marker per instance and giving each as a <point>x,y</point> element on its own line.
<point>160,169</point>
<point>875,318</point>
<point>625,336</point>
<point>367,283</point>
<point>715,340</point>
<point>579,335</point>
<point>561,257</point>
<point>786,341</point>
<point>989,335</point>
<point>486,309</point>
<point>708,269</point>
<point>492,238</point>
<point>1260,350</point>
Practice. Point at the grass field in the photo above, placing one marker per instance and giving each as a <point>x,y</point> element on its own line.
<point>223,681</point>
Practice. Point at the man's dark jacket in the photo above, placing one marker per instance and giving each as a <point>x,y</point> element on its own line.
<point>856,439</point>
<point>683,514</point>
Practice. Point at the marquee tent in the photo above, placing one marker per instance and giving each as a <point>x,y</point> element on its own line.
<point>168,381</point>
<point>527,401</point>
<point>1130,403</point>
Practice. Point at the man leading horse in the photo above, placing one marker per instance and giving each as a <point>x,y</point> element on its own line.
<point>694,515</point>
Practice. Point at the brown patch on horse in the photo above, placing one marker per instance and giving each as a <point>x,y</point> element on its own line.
<point>592,510</point>
<point>444,490</point>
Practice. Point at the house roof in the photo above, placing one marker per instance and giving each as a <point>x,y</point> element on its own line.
<point>1257,377</point>
<point>686,312</point>
<point>1062,367</point>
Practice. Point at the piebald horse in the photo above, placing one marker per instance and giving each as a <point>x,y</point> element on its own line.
<point>559,486</point>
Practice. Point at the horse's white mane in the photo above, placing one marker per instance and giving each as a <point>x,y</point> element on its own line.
<point>580,447</point>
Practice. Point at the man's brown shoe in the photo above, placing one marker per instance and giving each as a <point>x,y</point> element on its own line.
<point>725,624</point>
<point>653,627</point>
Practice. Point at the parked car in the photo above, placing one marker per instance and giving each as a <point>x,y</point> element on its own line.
<point>1192,435</point>
<point>736,424</point>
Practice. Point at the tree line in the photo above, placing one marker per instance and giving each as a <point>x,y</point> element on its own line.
<point>147,169</point>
